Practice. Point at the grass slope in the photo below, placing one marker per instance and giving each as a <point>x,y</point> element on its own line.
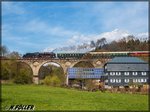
<point>54,98</point>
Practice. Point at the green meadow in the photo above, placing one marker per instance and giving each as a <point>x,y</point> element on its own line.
<point>56,98</point>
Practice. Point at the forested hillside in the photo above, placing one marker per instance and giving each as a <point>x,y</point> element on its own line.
<point>129,43</point>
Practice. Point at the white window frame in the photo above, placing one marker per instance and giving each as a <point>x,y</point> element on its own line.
<point>112,80</point>
<point>142,80</point>
<point>134,73</point>
<point>139,80</point>
<point>126,73</point>
<point>145,80</point>
<point>112,73</point>
<point>136,80</point>
<point>144,73</point>
<point>117,81</point>
<point>118,73</point>
<point>126,80</point>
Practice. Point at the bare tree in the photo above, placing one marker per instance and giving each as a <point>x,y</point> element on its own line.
<point>4,51</point>
<point>100,43</point>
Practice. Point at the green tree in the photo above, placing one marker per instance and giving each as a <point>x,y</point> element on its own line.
<point>52,71</point>
<point>23,77</point>
<point>5,70</point>
<point>52,81</point>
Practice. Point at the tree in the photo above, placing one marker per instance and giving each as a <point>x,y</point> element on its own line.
<point>14,55</point>
<point>130,37</point>
<point>113,46</point>
<point>52,71</point>
<point>44,71</point>
<point>92,44</point>
<point>5,70</point>
<point>122,45</point>
<point>23,77</point>
<point>100,43</point>
<point>4,50</point>
<point>90,84</point>
<point>52,80</point>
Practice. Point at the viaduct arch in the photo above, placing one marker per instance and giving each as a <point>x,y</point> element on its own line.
<point>36,64</point>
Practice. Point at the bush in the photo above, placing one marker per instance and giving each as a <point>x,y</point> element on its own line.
<point>5,74</point>
<point>91,85</point>
<point>23,77</point>
<point>52,80</point>
<point>5,71</point>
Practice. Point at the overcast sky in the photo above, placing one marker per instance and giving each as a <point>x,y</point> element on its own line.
<point>35,26</point>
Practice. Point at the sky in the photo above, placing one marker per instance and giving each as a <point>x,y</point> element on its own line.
<point>43,26</point>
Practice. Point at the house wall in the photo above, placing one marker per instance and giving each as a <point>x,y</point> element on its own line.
<point>126,74</point>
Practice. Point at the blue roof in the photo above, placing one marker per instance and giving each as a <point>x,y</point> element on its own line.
<point>126,60</point>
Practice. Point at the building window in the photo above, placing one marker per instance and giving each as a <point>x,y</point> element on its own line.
<point>112,73</point>
<point>135,80</point>
<point>134,73</point>
<point>126,73</point>
<point>143,73</point>
<point>118,80</point>
<point>112,80</point>
<point>126,80</point>
<point>142,80</point>
<point>118,73</point>
<point>139,80</point>
<point>145,80</point>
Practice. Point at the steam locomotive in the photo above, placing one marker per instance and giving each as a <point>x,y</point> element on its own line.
<point>90,55</point>
<point>51,55</point>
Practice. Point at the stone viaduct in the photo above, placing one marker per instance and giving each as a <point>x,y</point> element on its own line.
<point>36,64</point>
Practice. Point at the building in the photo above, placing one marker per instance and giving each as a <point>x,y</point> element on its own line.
<point>126,71</point>
<point>85,73</point>
<point>82,74</point>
